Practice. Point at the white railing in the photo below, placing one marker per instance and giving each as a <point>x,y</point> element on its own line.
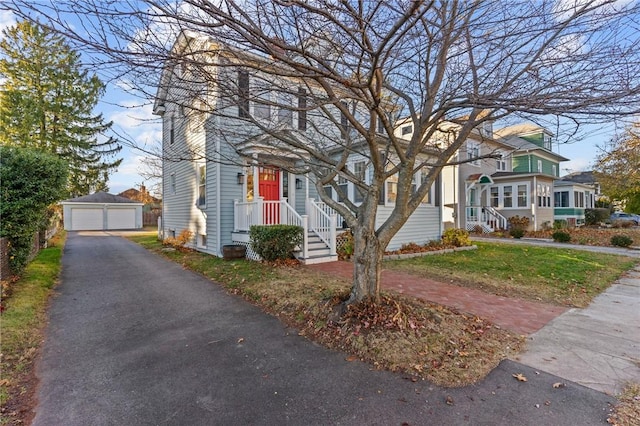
<point>496,219</point>
<point>330,211</point>
<point>323,224</point>
<point>262,212</point>
<point>488,217</point>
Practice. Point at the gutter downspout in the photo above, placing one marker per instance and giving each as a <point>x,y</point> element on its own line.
<point>218,187</point>
<point>534,209</point>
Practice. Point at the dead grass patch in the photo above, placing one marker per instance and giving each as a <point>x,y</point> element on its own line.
<point>627,411</point>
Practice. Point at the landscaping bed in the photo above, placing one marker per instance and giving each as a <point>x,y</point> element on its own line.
<point>591,236</point>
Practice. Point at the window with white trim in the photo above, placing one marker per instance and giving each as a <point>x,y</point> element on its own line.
<point>501,163</point>
<point>494,196</point>
<point>243,94</point>
<point>201,178</point>
<point>561,199</point>
<point>507,196</point>
<point>473,152</point>
<point>578,199</point>
<point>544,195</point>
<point>302,109</point>
<point>359,170</point>
<point>172,131</point>
<point>554,170</point>
<point>406,130</point>
<point>285,114</point>
<point>262,105</point>
<point>523,195</point>
<point>539,166</point>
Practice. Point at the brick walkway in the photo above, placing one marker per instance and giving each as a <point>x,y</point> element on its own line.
<point>513,314</point>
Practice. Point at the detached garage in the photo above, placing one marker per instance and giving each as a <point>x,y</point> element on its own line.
<point>101,212</point>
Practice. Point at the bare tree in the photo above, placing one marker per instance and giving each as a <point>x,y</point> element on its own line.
<point>443,66</point>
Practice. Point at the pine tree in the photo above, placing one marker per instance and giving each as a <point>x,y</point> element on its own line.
<point>47,101</point>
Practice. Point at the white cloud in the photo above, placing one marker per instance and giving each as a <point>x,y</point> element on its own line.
<point>580,164</point>
<point>7,19</point>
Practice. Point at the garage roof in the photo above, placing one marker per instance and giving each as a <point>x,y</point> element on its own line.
<point>101,197</point>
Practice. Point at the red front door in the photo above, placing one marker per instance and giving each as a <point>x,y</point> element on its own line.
<point>269,188</point>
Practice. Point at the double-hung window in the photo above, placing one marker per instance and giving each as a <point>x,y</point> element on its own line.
<point>495,196</point>
<point>302,109</point>
<point>473,152</point>
<point>201,176</point>
<point>243,94</point>
<point>359,170</point>
<point>507,196</point>
<point>522,196</point>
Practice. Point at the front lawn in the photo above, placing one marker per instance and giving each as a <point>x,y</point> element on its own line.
<point>421,339</point>
<point>561,276</point>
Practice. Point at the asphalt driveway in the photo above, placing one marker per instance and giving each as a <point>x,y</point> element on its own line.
<point>136,339</point>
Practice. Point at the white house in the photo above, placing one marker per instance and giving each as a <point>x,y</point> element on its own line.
<point>221,175</point>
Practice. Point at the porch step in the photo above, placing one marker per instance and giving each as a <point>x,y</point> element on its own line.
<point>312,260</point>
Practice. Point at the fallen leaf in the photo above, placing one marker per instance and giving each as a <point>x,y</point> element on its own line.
<point>520,377</point>
<point>240,340</point>
<point>351,358</point>
<point>558,385</point>
<point>448,400</point>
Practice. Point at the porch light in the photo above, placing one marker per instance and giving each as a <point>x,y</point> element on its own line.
<point>240,178</point>
<point>298,183</point>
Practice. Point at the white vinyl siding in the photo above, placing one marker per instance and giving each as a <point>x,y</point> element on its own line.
<point>423,226</point>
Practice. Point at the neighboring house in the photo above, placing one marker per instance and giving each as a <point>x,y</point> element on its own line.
<point>151,203</point>
<point>571,199</point>
<point>101,211</point>
<point>500,174</point>
<point>237,177</point>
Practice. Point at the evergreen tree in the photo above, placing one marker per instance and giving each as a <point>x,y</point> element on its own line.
<point>47,101</point>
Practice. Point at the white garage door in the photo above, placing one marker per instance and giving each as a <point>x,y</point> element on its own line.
<point>121,218</point>
<point>84,219</point>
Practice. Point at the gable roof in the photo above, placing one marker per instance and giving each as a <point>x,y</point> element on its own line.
<point>581,177</point>
<point>101,197</point>
<point>137,195</point>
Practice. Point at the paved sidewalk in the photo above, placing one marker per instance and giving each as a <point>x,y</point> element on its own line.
<point>517,315</point>
<point>597,347</point>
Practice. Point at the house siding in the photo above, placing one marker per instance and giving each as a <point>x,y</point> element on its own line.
<point>423,225</point>
<point>529,164</point>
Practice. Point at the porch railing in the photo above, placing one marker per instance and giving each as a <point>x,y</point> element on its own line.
<point>340,222</point>
<point>323,224</point>
<point>261,212</point>
<point>485,216</point>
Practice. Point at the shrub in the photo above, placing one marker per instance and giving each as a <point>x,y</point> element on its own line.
<point>560,224</point>
<point>456,237</point>
<point>621,241</point>
<point>561,237</point>
<point>595,216</point>
<point>516,232</point>
<point>518,222</point>
<point>276,241</point>
<point>29,182</point>
<point>180,241</point>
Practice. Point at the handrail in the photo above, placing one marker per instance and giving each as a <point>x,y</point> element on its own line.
<point>323,224</point>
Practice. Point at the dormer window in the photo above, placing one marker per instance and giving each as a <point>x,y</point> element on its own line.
<point>547,142</point>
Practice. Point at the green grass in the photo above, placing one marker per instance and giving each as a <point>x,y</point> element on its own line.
<point>24,318</point>
<point>561,276</point>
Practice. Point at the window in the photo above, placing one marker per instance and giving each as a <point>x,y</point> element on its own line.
<point>343,185</point>
<point>359,169</point>
<point>262,106</point>
<point>539,166</point>
<point>172,132</point>
<point>344,122</point>
<point>522,196</point>
<point>380,126</point>
<point>172,183</point>
<point>554,170</point>
<point>302,109</point>
<point>561,199</point>
<point>406,130</point>
<point>422,176</point>
<point>495,196</point>
<point>578,199</point>
<point>392,189</point>
<point>285,114</point>
<point>501,163</point>
<point>201,176</point>
<point>473,152</point>
<point>547,142</point>
<point>544,195</point>
<point>507,193</point>
<point>243,94</point>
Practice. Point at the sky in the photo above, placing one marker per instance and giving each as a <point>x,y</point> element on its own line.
<point>132,117</point>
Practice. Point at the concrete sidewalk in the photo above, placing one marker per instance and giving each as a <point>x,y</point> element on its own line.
<point>597,347</point>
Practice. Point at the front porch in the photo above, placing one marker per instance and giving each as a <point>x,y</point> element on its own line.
<point>319,223</point>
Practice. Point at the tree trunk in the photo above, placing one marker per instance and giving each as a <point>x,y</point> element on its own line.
<point>367,260</point>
